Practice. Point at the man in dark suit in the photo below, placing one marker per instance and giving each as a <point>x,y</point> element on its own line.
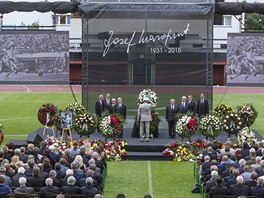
<point>89,189</point>
<point>182,106</point>
<point>219,189</point>
<point>202,106</point>
<point>112,107</point>
<point>15,178</point>
<point>191,105</point>
<point>239,189</point>
<point>99,109</point>
<point>48,189</point>
<point>71,188</point>
<point>171,110</point>
<point>99,106</point>
<point>121,109</point>
<point>23,189</point>
<point>259,189</point>
<point>107,102</point>
<point>260,170</point>
<point>35,180</point>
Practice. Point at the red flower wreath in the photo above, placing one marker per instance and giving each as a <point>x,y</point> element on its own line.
<point>192,125</point>
<point>44,111</point>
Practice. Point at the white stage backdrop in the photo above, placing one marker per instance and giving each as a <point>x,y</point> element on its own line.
<point>245,59</point>
<point>34,56</point>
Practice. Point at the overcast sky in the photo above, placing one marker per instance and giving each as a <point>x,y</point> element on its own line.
<point>17,18</point>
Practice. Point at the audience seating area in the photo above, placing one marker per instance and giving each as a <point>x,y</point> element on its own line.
<point>229,172</point>
<point>47,172</point>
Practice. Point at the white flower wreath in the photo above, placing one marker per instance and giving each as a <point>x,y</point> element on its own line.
<point>149,94</point>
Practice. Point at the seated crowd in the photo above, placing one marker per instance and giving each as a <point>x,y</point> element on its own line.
<point>231,172</point>
<point>46,171</point>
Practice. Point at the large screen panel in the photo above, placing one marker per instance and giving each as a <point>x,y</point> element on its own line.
<point>129,46</point>
<point>34,56</point>
<point>245,59</point>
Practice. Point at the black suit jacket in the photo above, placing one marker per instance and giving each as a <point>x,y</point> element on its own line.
<point>89,190</point>
<point>239,190</point>
<point>202,108</point>
<point>260,171</point>
<point>170,113</point>
<point>218,190</point>
<point>15,179</point>
<point>191,107</point>
<point>112,109</point>
<point>181,109</point>
<point>99,108</point>
<point>107,105</point>
<point>69,189</point>
<point>121,110</point>
<point>45,191</point>
<point>36,181</point>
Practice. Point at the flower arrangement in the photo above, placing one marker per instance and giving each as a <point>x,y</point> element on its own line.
<point>85,124</point>
<point>47,114</point>
<point>186,126</point>
<point>248,114</point>
<point>232,123</point>
<point>147,93</point>
<point>210,126</point>
<point>113,150</point>
<point>197,147</point>
<point>58,143</point>
<point>221,110</point>
<point>246,135</point>
<point>75,107</point>
<point>2,137</point>
<point>154,124</point>
<point>111,125</point>
<point>180,152</point>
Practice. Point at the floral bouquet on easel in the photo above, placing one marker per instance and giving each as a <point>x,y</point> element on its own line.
<point>47,114</point>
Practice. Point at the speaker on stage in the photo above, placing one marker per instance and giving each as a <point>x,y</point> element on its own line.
<point>34,138</point>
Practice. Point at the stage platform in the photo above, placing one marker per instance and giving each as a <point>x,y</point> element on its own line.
<point>137,150</point>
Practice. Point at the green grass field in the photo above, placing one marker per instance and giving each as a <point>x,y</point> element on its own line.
<point>18,115</point>
<point>167,179</point>
<point>18,111</point>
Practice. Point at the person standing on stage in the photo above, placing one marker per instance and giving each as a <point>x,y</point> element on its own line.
<point>107,102</point>
<point>112,107</point>
<point>171,110</point>
<point>144,117</point>
<point>121,109</point>
<point>191,105</point>
<point>99,108</point>
<point>182,106</point>
<point>202,106</point>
